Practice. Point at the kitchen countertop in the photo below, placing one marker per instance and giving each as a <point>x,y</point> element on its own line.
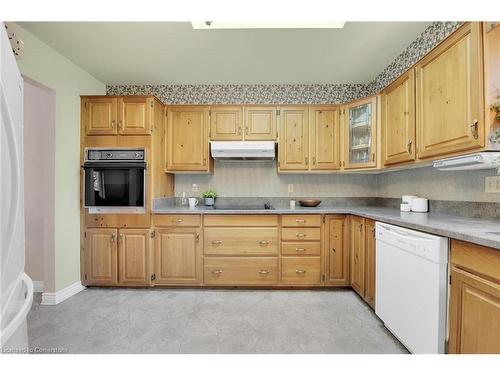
<point>478,231</point>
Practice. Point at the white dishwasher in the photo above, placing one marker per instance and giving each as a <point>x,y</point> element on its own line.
<point>411,286</point>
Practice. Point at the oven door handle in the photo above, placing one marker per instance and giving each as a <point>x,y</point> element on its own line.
<point>113,165</point>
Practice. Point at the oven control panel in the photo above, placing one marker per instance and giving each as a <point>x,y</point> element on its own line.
<point>118,154</point>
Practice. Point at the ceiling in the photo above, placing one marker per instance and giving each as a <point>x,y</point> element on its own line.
<point>174,53</point>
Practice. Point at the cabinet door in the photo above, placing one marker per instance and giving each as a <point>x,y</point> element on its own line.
<point>398,120</point>
<point>260,123</point>
<point>188,139</point>
<point>134,257</point>
<point>370,262</point>
<point>360,134</point>
<point>101,115</point>
<point>294,139</point>
<point>358,255</point>
<point>336,252</point>
<point>101,257</point>
<point>449,95</point>
<point>134,115</point>
<point>474,314</point>
<point>226,123</point>
<point>325,138</point>
<point>178,257</point>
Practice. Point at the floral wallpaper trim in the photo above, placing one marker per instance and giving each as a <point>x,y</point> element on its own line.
<point>293,93</point>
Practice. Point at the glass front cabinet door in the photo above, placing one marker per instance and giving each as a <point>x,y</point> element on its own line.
<point>360,130</point>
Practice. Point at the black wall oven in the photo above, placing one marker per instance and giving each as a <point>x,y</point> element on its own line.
<point>115,179</point>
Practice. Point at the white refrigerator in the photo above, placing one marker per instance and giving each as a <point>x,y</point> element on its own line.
<point>16,288</point>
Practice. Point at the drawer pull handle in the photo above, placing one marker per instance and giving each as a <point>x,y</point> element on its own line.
<point>300,235</point>
<point>300,221</point>
<point>264,272</point>
<point>300,249</point>
<point>217,242</point>
<point>300,271</point>
<point>176,221</point>
<point>264,243</point>
<point>217,272</point>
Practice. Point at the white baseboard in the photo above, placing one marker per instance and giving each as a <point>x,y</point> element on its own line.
<point>62,295</point>
<point>37,286</point>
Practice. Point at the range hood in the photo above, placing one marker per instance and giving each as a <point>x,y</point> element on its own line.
<point>243,150</point>
<point>480,160</point>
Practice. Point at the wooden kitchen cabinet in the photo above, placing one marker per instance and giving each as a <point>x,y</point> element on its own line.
<point>226,123</point>
<point>360,134</point>
<point>474,313</point>
<point>260,123</point>
<point>398,120</point>
<point>293,145</point>
<point>101,115</point>
<point>325,138</point>
<point>449,91</point>
<point>370,253</point>
<point>336,250</point>
<point>101,256</point>
<point>135,115</point>
<point>178,256</point>
<point>187,139</point>
<point>357,245</point>
<point>134,257</point>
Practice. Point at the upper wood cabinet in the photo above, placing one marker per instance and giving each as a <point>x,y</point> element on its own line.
<point>101,257</point>
<point>187,139</point>
<point>125,115</point>
<point>336,250</point>
<point>360,134</point>
<point>358,254</point>
<point>134,257</point>
<point>294,139</point>
<point>370,255</point>
<point>325,138</point>
<point>449,91</point>
<point>178,256</point>
<point>226,123</point>
<point>474,320</point>
<point>398,120</point>
<point>135,115</point>
<point>101,115</point>
<point>260,123</point>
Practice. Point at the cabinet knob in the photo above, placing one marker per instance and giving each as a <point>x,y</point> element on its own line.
<point>474,129</point>
<point>204,161</point>
<point>314,160</point>
<point>113,124</point>
<point>217,272</point>
<point>217,242</point>
<point>264,272</point>
<point>113,237</point>
<point>300,221</point>
<point>120,124</point>
<point>264,243</point>
<point>300,249</point>
<point>300,271</point>
<point>176,221</point>
<point>333,249</point>
<point>408,146</point>
<point>300,235</point>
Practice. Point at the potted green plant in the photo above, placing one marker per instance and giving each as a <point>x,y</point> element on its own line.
<point>209,197</point>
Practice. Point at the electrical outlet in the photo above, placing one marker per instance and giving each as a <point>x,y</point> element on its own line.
<point>194,188</point>
<point>290,188</point>
<point>492,184</point>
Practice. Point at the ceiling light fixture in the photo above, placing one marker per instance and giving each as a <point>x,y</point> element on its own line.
<point>267,25</point>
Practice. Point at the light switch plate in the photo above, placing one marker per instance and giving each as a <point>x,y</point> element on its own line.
<point>492,184</point>
<point>290,188</point>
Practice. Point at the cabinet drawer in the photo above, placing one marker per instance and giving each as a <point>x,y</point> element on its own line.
<point>301,248</point>
<point>240,241</point>
<point>301,270</point>
<point>177,220</point>
<point>241,271</point>
<point>300,234</point>
<point>301,220</point>
<point>240,220</point>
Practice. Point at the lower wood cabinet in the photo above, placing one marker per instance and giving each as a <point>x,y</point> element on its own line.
<point>474,320</point>
<point>363,258</point>
<point>117,257</point>
<point>301,270</point>
<point>178,256</point>
<point>336,250</point>
<point>233,271</point>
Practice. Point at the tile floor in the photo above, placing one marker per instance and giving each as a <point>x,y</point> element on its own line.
<point>99,320</point>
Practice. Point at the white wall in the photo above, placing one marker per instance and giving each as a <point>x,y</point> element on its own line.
<point>39,170</point>
<point>43,64</point>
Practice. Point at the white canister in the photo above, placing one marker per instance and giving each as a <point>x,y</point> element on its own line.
<point>420,205</point>
<point>404,207</point>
